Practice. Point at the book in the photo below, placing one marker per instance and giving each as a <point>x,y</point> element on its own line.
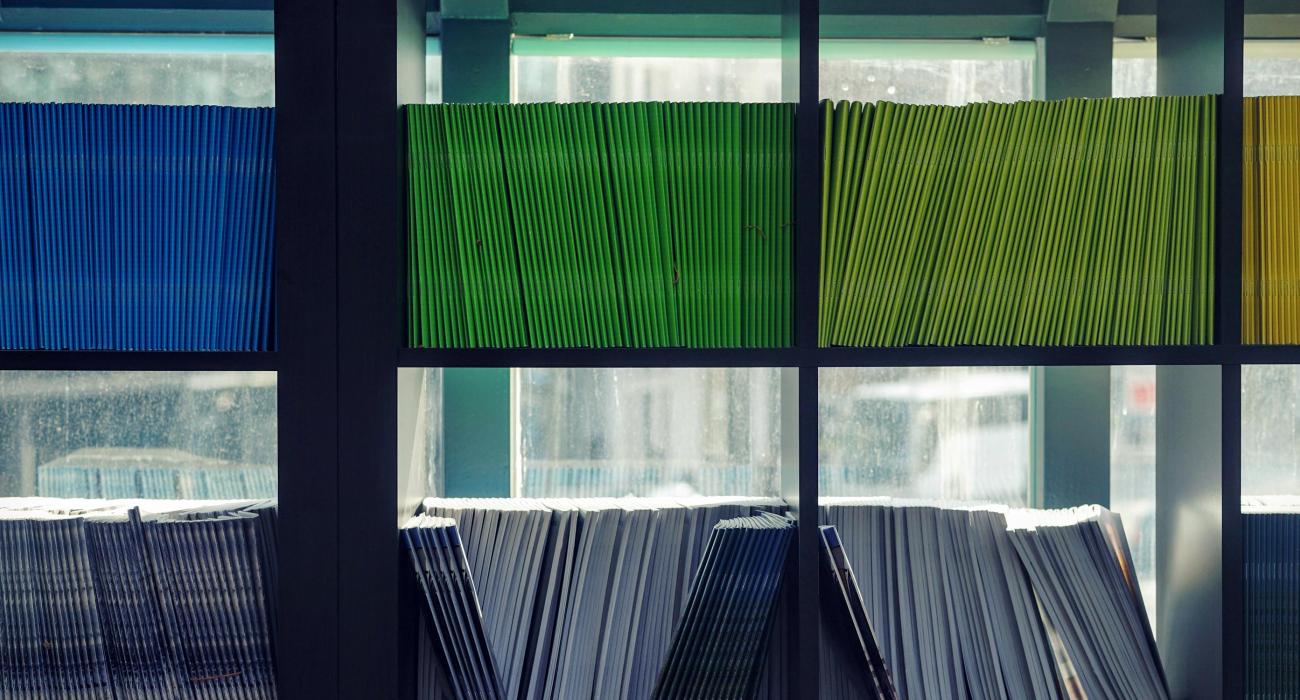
<point>992,602</point>
<point>136,227</point>
<point>580,598</point>
<point>1271,553</point>
<point>150,599</point>
<point>719,647</point>
<point>1072,222</point>
<point>647,224</point>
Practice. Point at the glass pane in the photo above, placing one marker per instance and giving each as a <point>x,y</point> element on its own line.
<point>1270,430</point>
<point>420,430</point>
<point>927,72</point>
<point>648,432</point>
<point>432,74</point>
<point>1133,468</point>
<point>1133,68</point>
<point>189,435</point>
<point>235,71</point>
<point>626,79</point>
<point>1133,77</point>
<point>958,433</point>
<point>1270,68</point>
<point>619,70</point>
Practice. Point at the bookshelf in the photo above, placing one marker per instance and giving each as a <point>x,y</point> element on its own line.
<point>1196,373</point>
<point>343,67</point>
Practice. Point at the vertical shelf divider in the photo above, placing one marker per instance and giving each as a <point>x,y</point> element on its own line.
<point>411,62</point>
<point>799,82</point>
<point>380,65</point>
<point>308,643</point>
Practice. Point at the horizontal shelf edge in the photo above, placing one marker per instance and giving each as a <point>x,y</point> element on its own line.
<point>600,357</point>
<point>826,357</point>
<point>111,360</point>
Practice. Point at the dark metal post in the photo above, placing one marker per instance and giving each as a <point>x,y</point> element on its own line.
<point>307,648</point>
<point>799,56</point>
<point>380,65</point>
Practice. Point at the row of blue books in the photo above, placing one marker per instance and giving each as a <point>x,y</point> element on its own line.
<point>157,600</point>
<point>136,227</point>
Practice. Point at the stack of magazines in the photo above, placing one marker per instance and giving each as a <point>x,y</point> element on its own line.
<point>1272,557</point>
<point>852,663</point>
<point>579,598</point>
<point>1071,222</point>
<point>136,227</point>
<point>113,599</point>
<point>720,646</point>
<point>641,224</point>
<point>457,621</point>
<point>638,598</point>
<point>993,602</point>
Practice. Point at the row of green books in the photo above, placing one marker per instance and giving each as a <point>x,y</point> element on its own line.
<point>1077,222</point>
<point>600,225</point>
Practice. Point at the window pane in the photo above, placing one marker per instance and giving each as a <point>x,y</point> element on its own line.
<point>749,70</point>
<point>1270,68</point>
<point>927,72</point>
<point>957,433</point>
<point>1133,68</point>
<point>420,430</point>
<point>138,434</point>
<point>1133,77</point>
<point>927,82</point>
<point>648,432</point>
<point>626,79</point>
<point>432,73</point>
<point>1270,430</point>
<point>235,71</point>
<point>1133,468</point>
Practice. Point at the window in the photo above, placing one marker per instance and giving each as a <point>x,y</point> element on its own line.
<point>138,434</point>
<point>432,71</point>
<point>958,433</point>
<point>1133,67</point>
<point>1133,468</point>
<point>1270,430</point>
<point>647,432</point>
<point>578,69</point>
<point>420,427</point>
<point>230,70</point>
<point>1270,68</point>
<point>927,72</point>
<point>623,70</point>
